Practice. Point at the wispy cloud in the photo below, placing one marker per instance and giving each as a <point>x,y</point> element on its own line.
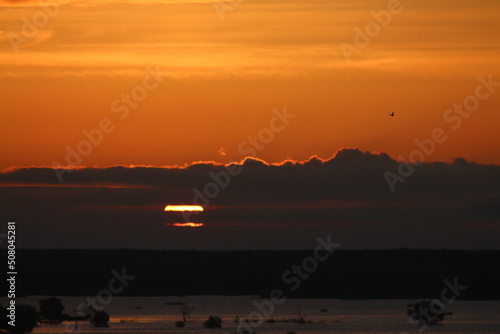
<point>187,38</point>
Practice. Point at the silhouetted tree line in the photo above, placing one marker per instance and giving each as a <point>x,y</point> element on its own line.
<point>363,274</point>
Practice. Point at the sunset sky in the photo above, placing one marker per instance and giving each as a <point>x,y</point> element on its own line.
<point>164,84</point>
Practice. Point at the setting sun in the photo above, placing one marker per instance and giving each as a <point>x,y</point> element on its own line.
<point>178,208</point>
<point>190,224</point>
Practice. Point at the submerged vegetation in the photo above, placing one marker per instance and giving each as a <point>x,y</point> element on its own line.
<point>427,312</point>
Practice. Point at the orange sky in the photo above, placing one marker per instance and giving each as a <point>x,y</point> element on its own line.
<point>221,79</point>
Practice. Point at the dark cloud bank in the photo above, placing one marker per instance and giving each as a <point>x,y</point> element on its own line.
<point>259,206</point>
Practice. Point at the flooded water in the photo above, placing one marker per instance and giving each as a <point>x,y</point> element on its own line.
<point>159,314</point>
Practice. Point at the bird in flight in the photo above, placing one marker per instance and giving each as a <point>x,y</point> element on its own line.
<point>391,114</point>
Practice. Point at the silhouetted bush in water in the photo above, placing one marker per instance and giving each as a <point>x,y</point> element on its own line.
<point>213,322</point>
<point>295,321</point>
<point>97,318</point>
<point>300,320</point>
<point>101,319</point>
<point>26,319</point>
<point>51,310</point>
<point>180,324</point>
<point>425,311</point>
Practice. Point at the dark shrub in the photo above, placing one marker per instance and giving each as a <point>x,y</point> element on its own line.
<point>51,310</point>
<point>426,311</point>
<point>97,318</point>
<point>213,322</point>
<point>27,318</point>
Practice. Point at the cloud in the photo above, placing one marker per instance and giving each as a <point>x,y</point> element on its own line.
<point>484,206</point>
<point>347,190</point>
<point>350,175</point>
